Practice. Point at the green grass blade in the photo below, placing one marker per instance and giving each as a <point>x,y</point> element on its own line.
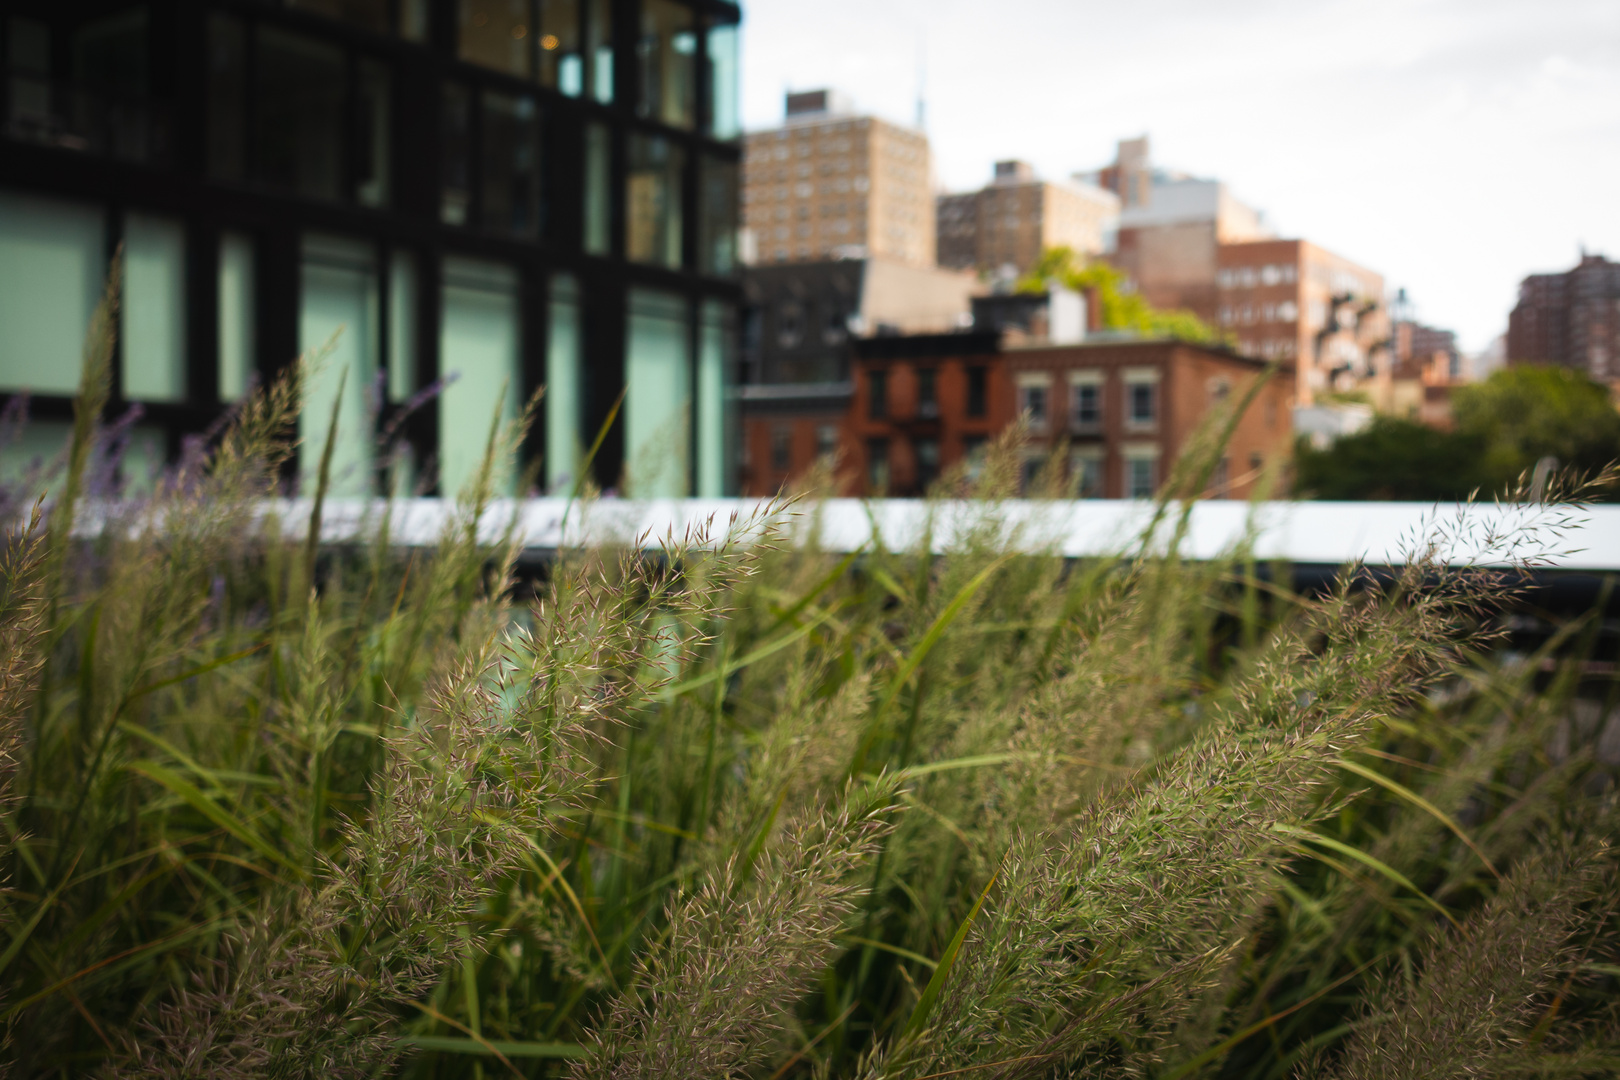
<point>1422,804</point>
<point>449,1044</point>
<point>1369,861</point>
<point>947,961</point>
<point>210,809</point>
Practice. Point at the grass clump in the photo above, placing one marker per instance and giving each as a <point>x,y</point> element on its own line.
<point>739,807</point>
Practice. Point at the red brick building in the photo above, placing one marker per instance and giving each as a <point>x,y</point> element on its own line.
<point>1292,301</point>
<point>1122,409</point>
<point>1572,319</point>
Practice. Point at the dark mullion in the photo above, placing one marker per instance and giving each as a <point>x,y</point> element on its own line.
<point>202,312</point>
<point>424,426</point>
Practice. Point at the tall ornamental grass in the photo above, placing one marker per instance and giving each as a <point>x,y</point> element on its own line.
<point>744,808</point>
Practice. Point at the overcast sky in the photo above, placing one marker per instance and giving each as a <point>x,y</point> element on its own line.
<point>1452,145</point>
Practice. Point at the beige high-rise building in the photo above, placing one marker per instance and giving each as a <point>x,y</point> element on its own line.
<point>1019,216</point>
<point>828,183</point>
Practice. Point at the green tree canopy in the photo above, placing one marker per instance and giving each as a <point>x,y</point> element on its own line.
<point>1528,412</point>
<point>1122,308</point>
<point>1503,426</point>
<point>1394,458</point>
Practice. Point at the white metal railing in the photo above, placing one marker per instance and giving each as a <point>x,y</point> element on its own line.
<point>1382,533</point>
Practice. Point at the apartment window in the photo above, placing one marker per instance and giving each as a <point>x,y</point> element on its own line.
<point>479,335</point>
<point>716,413</point>
<point>1287,311</point>
<point>367,14</point>
<point>927,451</point>
<point>338,303</point>
<point>658,408</point>
<point>227,97</point>
<point>373,126</point>
<point>975,449</point>
<point>877,466</point>
<point>826,442</point>
<point>565,386</point>
<point>1141,398</point>
<point>666,52</point>
<point>1141,466</point>
<point>1086,472</point>
<point>653,201</point>
<point>598,222</point>
<point>298,109</point>
<point>53,260</point>
<point>724,112</point>
<point>153,313</point>
<point>1085,402</point>
<point>978,390</point>
<point>877,394</point>
<point>497,34</point>
<point>511,165</point>
<point>237,356</point>
<point>1033,391</point>
<point>781,447</point>
<point>927,397</point>
<point>455,154</point>
<point>717,224</point>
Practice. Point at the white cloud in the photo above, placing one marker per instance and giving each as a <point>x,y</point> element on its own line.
<point>1452,145</point>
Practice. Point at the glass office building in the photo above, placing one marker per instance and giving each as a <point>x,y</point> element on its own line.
<point>455,202</point>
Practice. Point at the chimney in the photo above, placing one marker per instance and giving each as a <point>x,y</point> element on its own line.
<point>817,103</point>
<point>1093,312</point>
<point>1014,172</point>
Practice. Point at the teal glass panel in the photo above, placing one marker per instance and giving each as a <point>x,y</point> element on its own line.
<point>52,265</point>
<point>598,190</point>
<point>724,115</point>
<point>564,387</point>
<point>402,315</point>
<point>657,409</point>
<point>714,419</point>
<point>236,316</point>
<point>478,344</point>
<point>154,309</point>
<point>338,305</point>
<point>599,49</point>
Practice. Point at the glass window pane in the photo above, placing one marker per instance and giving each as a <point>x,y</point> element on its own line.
<point>715,414</point>
<point>478,343</point>
<point>495,33</point>
<point>598,190</point>
<point>373,160</point>
<point>236,316</point>
<point>227,92</point>
<point>153,311</point>
<point>717,240</point>
<point>370,14</point>
<point>52,263</point>
<point>657,409</point>
<point>599,49</point>
<point>511,164</point>
<point>565,400</point>
<point>338,297</point>
<point>653,201</point>
<point>413,19</point>
<point>562,64</point>
<point>724,115</point>
<point>666,50</point>
<point>456,151</point>
<point>299,109</point>
<point>402,313</point>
